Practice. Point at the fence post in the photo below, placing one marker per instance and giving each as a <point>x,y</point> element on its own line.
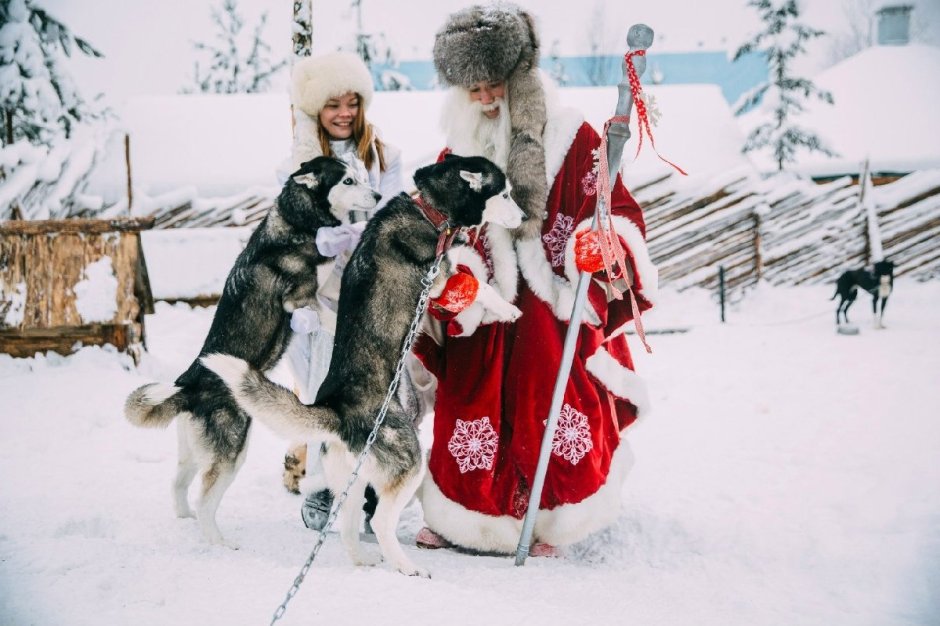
<point>760,211</point>
<point>127,163</point>
<point>721,290</point>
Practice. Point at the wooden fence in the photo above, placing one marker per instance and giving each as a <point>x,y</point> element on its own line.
<point>786,230</point>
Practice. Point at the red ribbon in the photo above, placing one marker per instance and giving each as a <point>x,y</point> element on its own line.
<point>643,121</point>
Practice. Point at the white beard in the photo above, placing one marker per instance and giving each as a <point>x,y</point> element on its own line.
<point>470,133</point>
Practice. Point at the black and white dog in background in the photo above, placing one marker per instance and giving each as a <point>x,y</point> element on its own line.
<point>879,283</point>
<point>381,286</point>
<point>275,274</point>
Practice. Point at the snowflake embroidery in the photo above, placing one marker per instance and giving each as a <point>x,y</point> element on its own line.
<point>557,238</point>
<point>473,444</point>
<point>589,183</point>
<point>572,438</point>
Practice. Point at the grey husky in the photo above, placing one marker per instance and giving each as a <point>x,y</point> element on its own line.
<point>380,288</point>
<point>275,274</point>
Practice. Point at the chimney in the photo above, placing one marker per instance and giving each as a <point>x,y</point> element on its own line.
<point>894,25</point>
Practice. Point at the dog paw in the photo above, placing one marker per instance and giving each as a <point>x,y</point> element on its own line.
<point>185,513</point>
<point>414,570</point>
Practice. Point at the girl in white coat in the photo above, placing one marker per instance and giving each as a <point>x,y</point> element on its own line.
<point>330,95</point>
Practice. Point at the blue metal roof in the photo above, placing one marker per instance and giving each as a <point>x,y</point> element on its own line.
<point>666,68</point>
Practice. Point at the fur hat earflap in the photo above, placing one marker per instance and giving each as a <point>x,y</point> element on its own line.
<point>498,43</point>
<point>315,80</point>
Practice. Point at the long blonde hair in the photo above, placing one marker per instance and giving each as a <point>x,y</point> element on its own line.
<point>362,134</point>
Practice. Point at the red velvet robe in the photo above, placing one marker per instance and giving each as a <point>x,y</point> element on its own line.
<point>495,383</point>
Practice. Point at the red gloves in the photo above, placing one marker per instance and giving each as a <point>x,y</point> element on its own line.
<point>459,292</point>
<point>587,251</point>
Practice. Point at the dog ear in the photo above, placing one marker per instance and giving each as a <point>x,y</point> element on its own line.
<point>307,180</point>
<point>474,178</point>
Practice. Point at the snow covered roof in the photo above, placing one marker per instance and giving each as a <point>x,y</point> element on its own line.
<point>697,130</point>
<point>885,109</point>
<point>219,144</point>
<point>213,145</point>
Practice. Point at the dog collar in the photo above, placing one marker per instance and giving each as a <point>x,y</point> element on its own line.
<point>440,222</point>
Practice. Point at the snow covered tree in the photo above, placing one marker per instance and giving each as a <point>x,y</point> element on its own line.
<point>558,72</point>
<point>38,98</point>
<point>230,70</point>
<point>599,64</point>
<point>782,40</point>
<point>377,54</point>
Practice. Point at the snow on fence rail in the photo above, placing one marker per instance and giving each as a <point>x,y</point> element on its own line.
<point>787,229</point>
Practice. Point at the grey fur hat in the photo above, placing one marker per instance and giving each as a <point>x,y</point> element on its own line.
<point>498,43</point>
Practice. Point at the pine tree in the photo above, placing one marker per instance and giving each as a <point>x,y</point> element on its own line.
<point>558,72</point>
<point>38,98</point>
<point>229,69</point>
<point>782,40</point>
<point>377,54</point>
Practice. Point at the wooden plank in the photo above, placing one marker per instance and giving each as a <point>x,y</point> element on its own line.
<point>38,227</point>
<point>63,339</point>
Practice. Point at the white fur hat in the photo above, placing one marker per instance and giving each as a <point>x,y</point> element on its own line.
<point>317,79</point>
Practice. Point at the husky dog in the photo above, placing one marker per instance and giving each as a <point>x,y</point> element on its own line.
<point>380,288</point>
<point>275,274</point>
<point>878,283</point>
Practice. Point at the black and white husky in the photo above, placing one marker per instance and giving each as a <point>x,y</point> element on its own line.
<point>879,283</point>
<point>275,274</point>
<point>380,289</point>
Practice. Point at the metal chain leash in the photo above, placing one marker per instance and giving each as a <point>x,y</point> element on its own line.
<point>427,282</point>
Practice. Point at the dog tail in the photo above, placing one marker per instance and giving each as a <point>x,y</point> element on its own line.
<point>154,405</point>
<point>271,404</point>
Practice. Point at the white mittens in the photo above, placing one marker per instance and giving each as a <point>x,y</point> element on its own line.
<point>304,321</point>
<point>334,240</point>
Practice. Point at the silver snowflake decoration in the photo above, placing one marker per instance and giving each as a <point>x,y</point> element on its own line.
<point>557,238</point>
<point>653,113</point>
<point>473,444</point>
<point>572,438</point>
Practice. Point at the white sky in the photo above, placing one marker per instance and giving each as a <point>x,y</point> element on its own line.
<point>148,44</point>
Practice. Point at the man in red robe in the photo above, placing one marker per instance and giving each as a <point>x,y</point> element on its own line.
<point>495,379</point>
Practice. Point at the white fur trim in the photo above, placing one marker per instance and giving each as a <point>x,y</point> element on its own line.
<point>560,130</point>
<point>548,287</point>
<point>472,316</point>
<point>647,271</point>
<point>560,526</point>
<point>315,80</point>
<point>649,275</point>
<point>503,256</point>
<point>465,255</point>
<point>476,314</point>
<point>619,380</point>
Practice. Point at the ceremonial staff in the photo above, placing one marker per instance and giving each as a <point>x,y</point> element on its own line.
<point>617,132</point>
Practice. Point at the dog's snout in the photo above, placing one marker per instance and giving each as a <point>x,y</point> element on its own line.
<point>376,196</point>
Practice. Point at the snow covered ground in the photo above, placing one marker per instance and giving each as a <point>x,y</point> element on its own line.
<point>787,475</point>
